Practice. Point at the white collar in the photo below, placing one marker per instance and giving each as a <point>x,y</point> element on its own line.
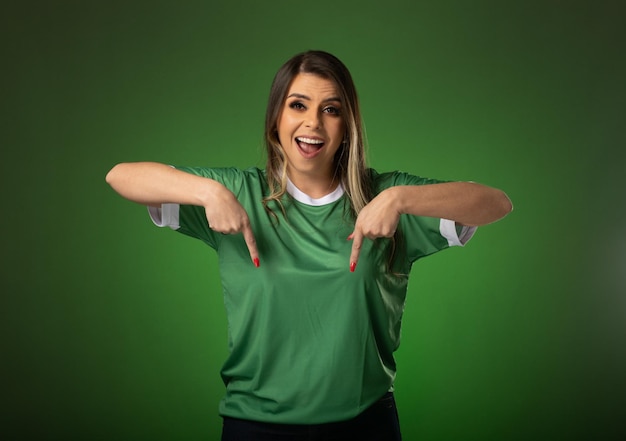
<point>300,196</point>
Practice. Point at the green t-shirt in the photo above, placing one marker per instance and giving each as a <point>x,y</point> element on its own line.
<point>309,341</point>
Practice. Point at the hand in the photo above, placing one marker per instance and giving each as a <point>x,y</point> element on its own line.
<point>227,216</point>
<point>377,219</point>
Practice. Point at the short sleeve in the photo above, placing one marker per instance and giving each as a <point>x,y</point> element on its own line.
<point>423,235</point>
<point>165,216</point>
<point>457,236</point>
<point>190,219</point>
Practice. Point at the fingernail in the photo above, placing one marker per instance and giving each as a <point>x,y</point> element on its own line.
<point>352,266</point>
<point>256,262</point>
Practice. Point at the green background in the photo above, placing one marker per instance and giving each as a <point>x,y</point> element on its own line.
<point>113,329</point>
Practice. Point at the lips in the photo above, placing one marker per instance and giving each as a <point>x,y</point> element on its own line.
<point>309,147</point>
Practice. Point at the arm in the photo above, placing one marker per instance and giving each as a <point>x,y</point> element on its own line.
<point>466,203</point>
<point>151,183</point>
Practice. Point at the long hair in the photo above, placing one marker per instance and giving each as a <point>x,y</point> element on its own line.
<point>350,162</point>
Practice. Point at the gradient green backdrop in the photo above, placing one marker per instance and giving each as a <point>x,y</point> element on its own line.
<point>113,329</point>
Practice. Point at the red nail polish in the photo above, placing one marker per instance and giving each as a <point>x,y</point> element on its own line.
<point>352,266</point>
<point>256,262</point>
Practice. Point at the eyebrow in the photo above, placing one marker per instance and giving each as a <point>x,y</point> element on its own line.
<point>305,97</point>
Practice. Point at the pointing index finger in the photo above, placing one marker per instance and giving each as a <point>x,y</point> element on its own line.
<point>248,236</point>
<point>357,241</point>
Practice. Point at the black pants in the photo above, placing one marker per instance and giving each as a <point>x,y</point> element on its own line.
<point>377,423</point>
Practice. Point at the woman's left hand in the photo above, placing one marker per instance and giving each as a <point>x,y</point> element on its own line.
<point>377,219</point>
<point>466,203</point>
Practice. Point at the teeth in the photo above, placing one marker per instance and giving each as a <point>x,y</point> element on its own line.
<point>310,140</point>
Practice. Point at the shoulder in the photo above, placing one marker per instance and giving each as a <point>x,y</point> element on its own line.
<point>235,179</point>
<point>381,181</point>
<point>229,174</point>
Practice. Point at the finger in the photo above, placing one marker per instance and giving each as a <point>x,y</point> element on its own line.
<point>248,236</point>
<point>357,242</point>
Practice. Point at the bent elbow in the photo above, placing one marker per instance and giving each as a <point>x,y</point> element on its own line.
<point>117,176</point>
<point>505,205</point>
<point>113,175</point>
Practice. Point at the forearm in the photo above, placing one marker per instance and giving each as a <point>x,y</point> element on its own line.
<point>151,183</point>
<point>465,203</point>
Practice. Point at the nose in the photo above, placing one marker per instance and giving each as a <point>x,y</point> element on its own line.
<point>312,119</point>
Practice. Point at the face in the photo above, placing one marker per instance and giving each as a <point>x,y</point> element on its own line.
<point>311,127</point>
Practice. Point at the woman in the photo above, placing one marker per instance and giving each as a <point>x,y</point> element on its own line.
<point>313,318</point>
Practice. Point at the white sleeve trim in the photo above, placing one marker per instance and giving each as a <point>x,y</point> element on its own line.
<point>448,230</point>
<point>165,216</point>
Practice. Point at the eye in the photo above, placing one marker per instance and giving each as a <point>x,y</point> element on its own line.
<point>297,105</point>
<point>332,110</point>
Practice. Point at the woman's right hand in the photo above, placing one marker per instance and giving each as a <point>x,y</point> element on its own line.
<point>227,216</point>
<point>152,183</point>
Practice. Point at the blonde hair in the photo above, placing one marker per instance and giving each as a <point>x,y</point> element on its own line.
<point>350,161</point>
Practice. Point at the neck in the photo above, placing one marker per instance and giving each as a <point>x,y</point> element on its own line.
<point>314,186</point>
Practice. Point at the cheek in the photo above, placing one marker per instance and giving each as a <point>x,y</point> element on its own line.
<point>280,128</point>
<point>339,129</point>
<point>285,125</point>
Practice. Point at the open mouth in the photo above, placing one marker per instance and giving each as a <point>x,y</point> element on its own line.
<point>309,147</point>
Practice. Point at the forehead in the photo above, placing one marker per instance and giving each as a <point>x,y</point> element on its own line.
<point>313,86</point>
